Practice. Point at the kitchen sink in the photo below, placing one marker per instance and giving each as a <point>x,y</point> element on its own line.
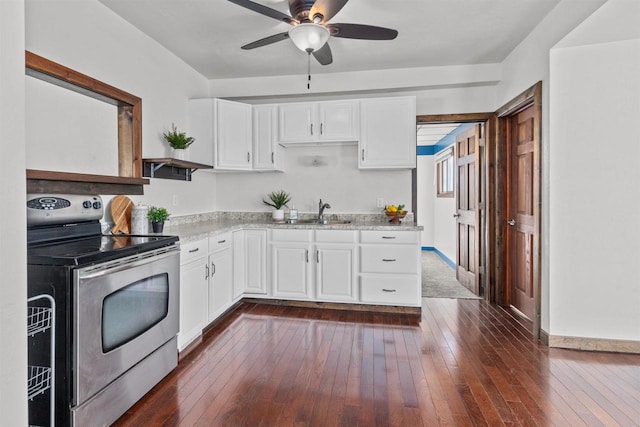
<point>319,222</point>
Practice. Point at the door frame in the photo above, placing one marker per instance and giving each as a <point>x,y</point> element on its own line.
<point>531,96</point>
<point>489,120</point>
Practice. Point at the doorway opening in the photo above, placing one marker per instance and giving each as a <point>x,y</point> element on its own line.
<point>506,203</point>
<point>449,191</point>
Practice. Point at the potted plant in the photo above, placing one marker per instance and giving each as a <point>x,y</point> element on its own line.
<point>277,200</point>
<point>179,142</point>
<point>157,216</point>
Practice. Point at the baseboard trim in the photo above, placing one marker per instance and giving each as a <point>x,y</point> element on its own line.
<point>339,306</point>
<point>594,344</point>
<point>441,255</point>
<point>544,338</point>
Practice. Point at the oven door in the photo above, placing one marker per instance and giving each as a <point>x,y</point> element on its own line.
<point>123,311</point>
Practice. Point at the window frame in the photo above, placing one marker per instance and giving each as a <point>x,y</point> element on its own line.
<point>445,173</point>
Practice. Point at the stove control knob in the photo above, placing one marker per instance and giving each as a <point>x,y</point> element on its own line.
<point>97,205</point>
<point>86,204</point>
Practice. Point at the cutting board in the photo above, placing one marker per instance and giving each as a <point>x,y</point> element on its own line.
<point>121,207</point>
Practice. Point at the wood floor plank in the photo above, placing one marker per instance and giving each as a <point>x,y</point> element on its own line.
<point>462,363</point>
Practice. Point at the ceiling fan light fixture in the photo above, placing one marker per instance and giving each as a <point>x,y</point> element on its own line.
<point>309,37</point>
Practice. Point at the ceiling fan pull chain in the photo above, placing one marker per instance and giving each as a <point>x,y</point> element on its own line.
<point>308,69</point>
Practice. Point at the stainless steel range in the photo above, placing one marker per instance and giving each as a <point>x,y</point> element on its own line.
<point>116,310</point>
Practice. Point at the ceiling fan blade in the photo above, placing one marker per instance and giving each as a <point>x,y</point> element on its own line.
<point>326,8</point>
<point>266,41</point>
<point>323,55</point>
<point>264,10</point>
<point>362,32</point>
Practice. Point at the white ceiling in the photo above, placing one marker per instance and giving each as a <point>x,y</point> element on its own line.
<point>207,34</point>
<point>430,134</point>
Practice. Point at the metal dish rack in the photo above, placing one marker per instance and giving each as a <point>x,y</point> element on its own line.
<point>42,378</point>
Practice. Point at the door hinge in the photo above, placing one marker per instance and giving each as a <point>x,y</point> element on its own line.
<point>481,205</point>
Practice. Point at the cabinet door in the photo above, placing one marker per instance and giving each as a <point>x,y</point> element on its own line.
<point>194,279</point>
<point>233,135</point>
<point>255,254</point>
<point>290,269</point>
<point>264,137</point>
<point>387,133</point>
<point>238,264</point>
<point>296,122</point>
<point>335,272</point>
<point>338,121</point>
<point>220,282</point>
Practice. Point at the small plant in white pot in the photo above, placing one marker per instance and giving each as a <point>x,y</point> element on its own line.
<point>277,200</point>
<point>179,142</point>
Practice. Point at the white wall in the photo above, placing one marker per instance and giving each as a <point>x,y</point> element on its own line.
<point>313,172</point>
<point>13,271</point>
<point>527,64</point>
<point>425,175</point>
<point>90,38</point>
<point>595,236</point>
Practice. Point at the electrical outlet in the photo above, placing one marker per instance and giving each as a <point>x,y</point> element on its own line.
<point>175,200</point>
<point>380,202</point>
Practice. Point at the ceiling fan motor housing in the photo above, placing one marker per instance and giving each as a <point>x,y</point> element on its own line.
<point>300,9</point>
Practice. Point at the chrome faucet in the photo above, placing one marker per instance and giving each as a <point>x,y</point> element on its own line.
<point>321,208</point>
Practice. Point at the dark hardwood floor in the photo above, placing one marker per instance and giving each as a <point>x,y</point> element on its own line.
<point>463,363</point>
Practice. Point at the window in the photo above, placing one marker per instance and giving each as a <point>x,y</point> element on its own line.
<point>445,172</point>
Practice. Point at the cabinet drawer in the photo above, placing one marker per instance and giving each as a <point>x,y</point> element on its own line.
<point>389,237</point>
<point>192,250</point>
<point>391,290</point>
<point>390,259</point>
<point>336,236</point>
<point>220,241</point>
<point>291,235</point>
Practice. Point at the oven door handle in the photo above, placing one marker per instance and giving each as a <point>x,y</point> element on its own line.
<point>126,263</point>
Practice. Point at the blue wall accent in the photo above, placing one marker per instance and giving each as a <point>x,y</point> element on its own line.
<point>441,255</point>
<point>445,142</point>
<point>426,150</point>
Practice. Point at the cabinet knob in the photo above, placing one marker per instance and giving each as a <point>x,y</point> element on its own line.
<point>311,129</point>
<point>388,290</point>
<point>206,268</point>
<point>194,250</point>
<point>321,127</point>
<point>388,260</point>
<point>363,154</point>
<point>248,157</point>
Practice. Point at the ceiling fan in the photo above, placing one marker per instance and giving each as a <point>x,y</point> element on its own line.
<point>310,28</point>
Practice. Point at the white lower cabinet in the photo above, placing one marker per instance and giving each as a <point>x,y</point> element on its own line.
<point>336,265</point>
<point>255,261</point>
<point>220,282</point>
<point>290,267</point>
<point>335,272</point>
<point>290,270</point>
<point>390,268</point>
<point>194,282</point>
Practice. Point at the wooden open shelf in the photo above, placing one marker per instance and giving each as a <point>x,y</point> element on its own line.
<point>39,181</point>
<point>170,168</point>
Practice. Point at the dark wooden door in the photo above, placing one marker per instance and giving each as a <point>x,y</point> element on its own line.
<point>468,195</point>
<point>521,230</point>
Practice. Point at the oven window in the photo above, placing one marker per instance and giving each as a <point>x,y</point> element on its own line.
<point>133,310</point>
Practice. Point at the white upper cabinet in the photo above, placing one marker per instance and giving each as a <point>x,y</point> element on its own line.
<point>332,121</point>
<point>387,133</point>
<point>265,149</point>
<point>223,133</point>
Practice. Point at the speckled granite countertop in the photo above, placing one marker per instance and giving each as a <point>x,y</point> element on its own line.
<point>196,227</point>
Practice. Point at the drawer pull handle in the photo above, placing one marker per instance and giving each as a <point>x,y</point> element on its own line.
<point>221,241</point>
<point>388,237</point>
<point>194,250</point>
<point>388,260</point>
<point>388,290</point>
